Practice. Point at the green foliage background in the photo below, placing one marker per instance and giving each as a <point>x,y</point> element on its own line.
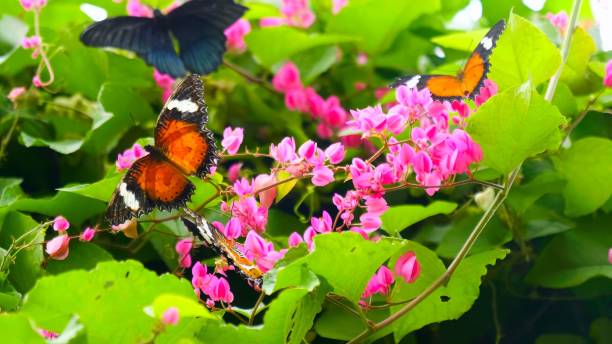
<point>539,272</point>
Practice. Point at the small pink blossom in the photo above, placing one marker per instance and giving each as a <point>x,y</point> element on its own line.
<point>296,100</point>
<point>370,222</point>
<point>57,248</point>
<point>32,42</point>
<point>242,187</point>
<point>15,93</point>
<point>380,283</point>
<point>88,234</point>
<point>422,163</point>
<point>266,197</point>
<point>47,334</point>
<point>295,239</point>
<point>235,35</point>
<point>559,20</point>
<point>163,80</point>
<point>127,158</point>
<point>488,90</point>
<point>610,255</point>
<point>338,5</point>
<point>287,78</point>
<point>307,150</point>
<point>183,247</point>
<point>408,267</point>
<point>60,224</point>
<point>170,316</point>
<point>233,229</point>
<point>136,9</point>
<point>232,139</point>
<point>36,81</point>
<point>219,290</point>
<point>255,246</point>
<point>608,75</point>
<point>297,13</point>
<point>335,153</point>
<point>272,21</point>
<point>322,224</point>
<point>233,172</point>
<point>285,151</point>
<point>309,235</point>
<point>322,175</point>
<point>362,59</point>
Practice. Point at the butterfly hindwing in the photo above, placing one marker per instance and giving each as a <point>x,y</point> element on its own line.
<point>181,133</point>
<point>468,81</point>
<point>150,182</point>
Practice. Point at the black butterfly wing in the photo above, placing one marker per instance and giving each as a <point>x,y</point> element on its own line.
<point>144,36</point>
<point>198,26</point>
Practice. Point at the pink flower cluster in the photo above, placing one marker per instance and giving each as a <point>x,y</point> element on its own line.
<point>165,82</point>
<point>559,21</point>
<point>608,76</point>
<point>407,267</point>
<point>58,247</point>
<point>235,35</point>
<point>127,158</point>
<point>216,288</point>
<point>294,13</point>
<point>329,112</point>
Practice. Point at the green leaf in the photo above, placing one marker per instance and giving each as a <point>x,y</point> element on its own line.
<point>315,61</point>
<point>514,125</point>
<point>285,188</point>
<point>575,256</point>
<point>464,41</point>
<point>378,22</point>
<point>12,31</point>
<point>82,256</point>
<point>108,300</point>
<point>9,297</point>
<point>27,266</point>
<point>565,101</point>
<point>101,190</point>
<point>293,42</point>
<point>75,208</point>
<point>587,167</point>
<point>400,217</point>
<point>523,196</point>
<point>581,49</point>
<point>187,306</point>
<point>450,301</point>
<point>345,260</point>
<point>400,58</point>
<point>16,329</point>
<point>10,190</point>
<point>63,146</point>
<point>523,53</point>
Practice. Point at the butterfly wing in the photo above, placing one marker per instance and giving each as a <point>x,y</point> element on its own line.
<point>181,133</point>
<point>198,26</point>
<point>442,87</point>
<point>150,182</point>
<point>144,36</point>
<point>477,66</point>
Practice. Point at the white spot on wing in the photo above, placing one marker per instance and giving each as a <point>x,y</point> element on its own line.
<point>184,105</point>
<point>413,82</point>
<point>487,43</point>
<point>128,197</point>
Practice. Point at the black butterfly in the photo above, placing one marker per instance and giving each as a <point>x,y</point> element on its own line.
<point>197,25</point>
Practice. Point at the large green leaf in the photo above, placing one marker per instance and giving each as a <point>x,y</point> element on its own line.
<point>290,41</point>
<point>109,300</point>
<point>587,167</point>
<point>75,208</point>
<point>523,53</point>
<point>10,190</point>
<point>580,51</point>
<point>514,125</point>
<point>397,218</point>
<point>378,22</point>
<point>16,329</point>
<point>575,256</point>
<point>82,256</point>
<point>100,190</point>
<point>346,261</point>
<point>464,41</point>
<point>523,196</point>
<point>450,301</point>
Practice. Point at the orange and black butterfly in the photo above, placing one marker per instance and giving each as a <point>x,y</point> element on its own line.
<point>468,81</point>
<point>183,147</point>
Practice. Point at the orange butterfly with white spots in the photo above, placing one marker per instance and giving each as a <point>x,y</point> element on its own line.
<point>468,81</point>
<point>183,147</point>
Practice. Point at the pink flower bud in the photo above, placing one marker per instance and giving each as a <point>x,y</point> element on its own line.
<point>47,334</point>
<point>309,235</point>
<point>233,228</point>
<point>608,75</point>
<point>27,4</point>
<point>408,267</point>
<point>170,316</point>
<point>235,35</point>
<point>136,9</point>
<point>60,224</point>
<point>287,78</point>
<point>185,261</point>
<point>88,234</point>
<point>266,197</point>
<point>559,20</point>
<point>370,222</point>
<point>335,153</point>
<point>610,255</point>
<point>57,248</point>
<point>232,138</point>
<point>183,247</point>
<point>233,173</point>
<point>307,149</point>
<point>295,239</point>
<point>362,59</point>
<point>16,93</point>
<point>322,175</point>
<point>285,152</point>
<point>220,290</point>
<point>295,100</point>
<point>36,81</point>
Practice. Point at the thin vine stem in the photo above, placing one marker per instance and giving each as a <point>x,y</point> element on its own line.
<point>499,199</point>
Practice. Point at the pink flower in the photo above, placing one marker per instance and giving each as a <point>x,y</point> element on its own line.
<point>309,235</point>
<point>272,21</point>
<point>88,234</point>
<point>296,100</point>
<point>362,59</point>
<point>267,263</point>
<point>219,290</point>
<point>297,13</point>
<point>136,9</point>
<point>380,283</point>
<point>31,42</point>
<point>307,149</point>
<point>170,316</point>
<point>285,151</point>
<point>610,255</point>
<point>15,93</point>
<point>242,187</point>
<point>235,35</point>
<point>287,78</point>
<point>376,205</point>
<point>559,20</point>
<point>295,239</point>
<point>335,153</point>
<point>163,80</point>
<point>200,277</point>
<point>57,248</point>
<point>232,139</point>
<point>60,224</point>
<point>233,229</point>
<point>360,86</point>
<point>255,246</point>
<point>408,267</point>
<point>608,75</point>
<point>233,172</point>
<point>183,247</point>
<point>266,197</point>
<point>127,158</point>
<point>36,81</point>
<point>323,224</point>
<point>370,222</point>
<point>27,4</point>
<point>488,90</point>
<point>337,5</point>
<point>47,334</point>
<point>322,175</point>
<point>422,163</point>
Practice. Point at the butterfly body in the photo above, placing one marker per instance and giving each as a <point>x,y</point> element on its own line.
<point>467,82</point>
<point>183,147</point>
<point>196,27</point>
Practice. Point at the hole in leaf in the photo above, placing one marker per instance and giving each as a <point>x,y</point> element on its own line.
<point>353,249</point>
<point>444,298</point>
